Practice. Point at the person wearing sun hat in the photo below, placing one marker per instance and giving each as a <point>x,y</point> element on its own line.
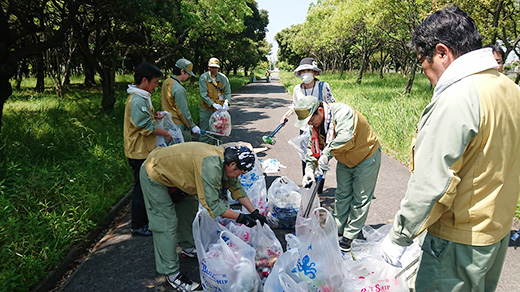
<point>310,86</point>
<point>174,98</point>
<point>201,173</point>
<point>338,131</point>
<point>215,94</point>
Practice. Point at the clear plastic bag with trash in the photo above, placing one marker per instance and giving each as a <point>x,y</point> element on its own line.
<point>174,131</point>
<point>220,122</point>
<point>300,143</point>
<point>284,200</point>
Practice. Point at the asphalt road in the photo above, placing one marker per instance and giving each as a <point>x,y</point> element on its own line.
<point>121,262</point>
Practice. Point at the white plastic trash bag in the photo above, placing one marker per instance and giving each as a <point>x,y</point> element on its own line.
<point>373,275</point>
<point>226,263</point>
<point>268,248</point>
<point>284,200</point>
<point>320,262</point>
<point>174,131</point>
<point>300,143</point>
<point>253,183</point>
<point>282,277</point>
<point>271,165</point>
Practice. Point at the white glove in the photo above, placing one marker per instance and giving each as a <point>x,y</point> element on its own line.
<point>308,177</point>
<point>226,105</point>
<point>217,106</point>
<point>392,252</point>
<point>195,130</point>
<point>323,165</point>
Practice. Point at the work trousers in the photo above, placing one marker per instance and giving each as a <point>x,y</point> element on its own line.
<point>170,223</point>
<point>139,218</point>
<point>354,192</point>
<point>204,125</point>
<point>186,132</point>
<point>450,266</point>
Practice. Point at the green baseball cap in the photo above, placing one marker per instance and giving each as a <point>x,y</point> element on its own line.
<point>304,109</point>
<point>186,65</point>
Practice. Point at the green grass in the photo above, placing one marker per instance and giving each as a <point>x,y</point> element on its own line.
<point>392,115</point>
<point>63,169</point>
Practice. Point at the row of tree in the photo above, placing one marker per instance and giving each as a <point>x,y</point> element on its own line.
<point>58,38</point>
<point>373,34</point>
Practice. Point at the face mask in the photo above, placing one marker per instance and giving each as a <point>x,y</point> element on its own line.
<point>307,77</point>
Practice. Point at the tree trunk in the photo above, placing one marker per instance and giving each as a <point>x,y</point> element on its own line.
<point>90,73</point>
<point>409,84</point>
<point>517,79</point>
<point>40,73</point>
<point>107,82</point>
<point>382,65</point>
<point>362,69</point>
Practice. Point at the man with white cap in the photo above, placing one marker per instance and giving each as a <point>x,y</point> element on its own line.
<point>174,98</point>
<point>341,132</point>
<point>215,94</point>
<point>201,173</point>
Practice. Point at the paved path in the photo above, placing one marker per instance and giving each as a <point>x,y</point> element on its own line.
<point>120,262</point>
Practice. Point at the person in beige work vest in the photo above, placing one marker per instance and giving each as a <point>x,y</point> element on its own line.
<point>174,98</point>
<point>215,94</point>
<point>338,131</point>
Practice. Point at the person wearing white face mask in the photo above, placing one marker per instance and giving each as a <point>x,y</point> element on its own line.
<point>310,86</point>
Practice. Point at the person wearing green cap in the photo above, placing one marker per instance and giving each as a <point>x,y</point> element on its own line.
<point>215,95</point>
<point>202,174</point>
<point>174,98</point>
<point>341,132</point>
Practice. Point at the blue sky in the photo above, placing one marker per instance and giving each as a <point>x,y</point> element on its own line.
<point>282,14</point>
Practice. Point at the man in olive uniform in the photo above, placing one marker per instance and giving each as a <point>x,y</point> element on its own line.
<point>215,94</point>
<point>174,98</point>
<point>199,171</point>
<point>341,132</point>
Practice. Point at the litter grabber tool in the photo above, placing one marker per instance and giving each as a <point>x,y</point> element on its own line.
<point>211,136</point>
<point>269,138</point>
<point>410,265</point>
<point>204,132</point>
<point>313,195</point>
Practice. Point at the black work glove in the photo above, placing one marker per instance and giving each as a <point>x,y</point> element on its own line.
<point>246,219</point>
<point>257,216</point>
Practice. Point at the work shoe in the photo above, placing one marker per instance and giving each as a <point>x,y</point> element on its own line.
<point>143,231</point>
<point>345,244</point>
<point>182,283</point>
<point>189,252</point>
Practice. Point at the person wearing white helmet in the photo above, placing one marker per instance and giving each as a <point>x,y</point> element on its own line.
<point>215,94</point>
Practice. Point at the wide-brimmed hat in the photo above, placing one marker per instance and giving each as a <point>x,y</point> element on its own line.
<point>307,63</point>
<point>185,65</point>
<point>304,109</point>
<point>214,62</point>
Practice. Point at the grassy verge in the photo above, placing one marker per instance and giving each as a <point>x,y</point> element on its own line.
<point>63,169</point>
